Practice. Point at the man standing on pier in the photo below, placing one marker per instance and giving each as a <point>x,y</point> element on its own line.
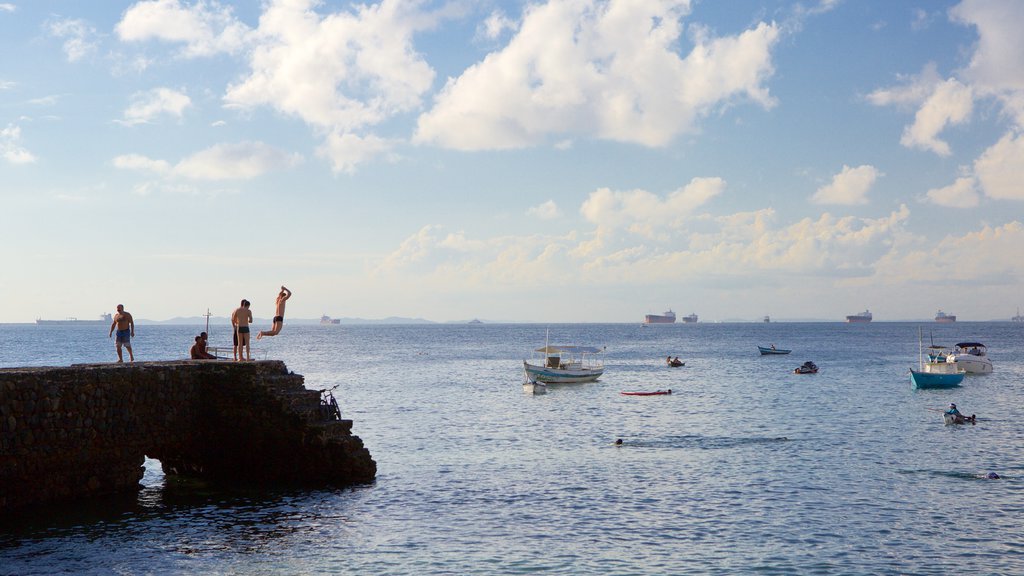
<point>125,325</point>
<point>240,320</point>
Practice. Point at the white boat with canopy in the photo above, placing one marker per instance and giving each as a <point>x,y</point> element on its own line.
<point>564,365</point>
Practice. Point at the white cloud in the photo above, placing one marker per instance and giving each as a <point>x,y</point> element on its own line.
<point>644,213</point>
<point>341,72</point>
<point>495,25</point>
<point>991,253</point>
<point>1000,169</point>
<point>744,246</point>
<point>961,194</point>
<point>950,103</point>
<point>940,103</point>
<point>78,37</point>
<point>545,210</point>
<point>7,84</point>
<point>139,162</point>
<point>849,187</point>
<point>996,63</point>
<point>147,106</point>
<point>241,161</point>
<point>911,91</point>
<point>7,7</point>
<point>205,28</point>
<point>602,68</point>
<point>347,151</point>
<point>10,148</point>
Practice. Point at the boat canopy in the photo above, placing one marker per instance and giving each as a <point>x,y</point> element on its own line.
<point>570,349</point>
<point>971,345</point>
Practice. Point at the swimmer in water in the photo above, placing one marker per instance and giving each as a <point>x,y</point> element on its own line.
<point>618,442</point>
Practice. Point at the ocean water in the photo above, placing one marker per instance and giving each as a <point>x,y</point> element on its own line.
<point>745,468</point>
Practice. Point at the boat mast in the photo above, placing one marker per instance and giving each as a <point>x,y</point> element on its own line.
<point>920,354</point>
<point>207,321</point>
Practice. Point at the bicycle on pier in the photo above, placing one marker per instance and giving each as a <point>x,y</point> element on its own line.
<point>328,405</point>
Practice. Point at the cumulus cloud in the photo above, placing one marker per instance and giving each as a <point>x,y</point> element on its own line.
<point>996,62</point>
<point>961,194</point>
<point>608,69</point>
<point>147,106</point>
<point>78,36</point>
<point>7,7</point>
<point>346,151</point>
<point>545,210</point>
<point>11,149</point>
<point>205,28</point>
<point>744,245</point>
<point>1000,169</point>
<point>991,253</point>
<point>849,187</point>
<point>495,25</point>
<point>140,162</point>
<point>340,73</point>
<point>950,103</point>
<point>939,103</point>
<point>241,161</point>
<point>644,213</point>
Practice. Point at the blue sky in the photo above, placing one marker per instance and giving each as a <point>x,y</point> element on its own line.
<point>553,161</point>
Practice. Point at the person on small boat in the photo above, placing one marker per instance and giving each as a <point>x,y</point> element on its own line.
<point>668,360</point>
<point>958,417</point>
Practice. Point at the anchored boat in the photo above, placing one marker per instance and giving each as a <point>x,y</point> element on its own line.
<point>934,373</point>
<point>972,357</point>
<point>564,365</point>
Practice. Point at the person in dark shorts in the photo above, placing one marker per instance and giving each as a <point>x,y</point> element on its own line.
<point>240,320</point>
<point>125,325</point>
<point>275,329</point>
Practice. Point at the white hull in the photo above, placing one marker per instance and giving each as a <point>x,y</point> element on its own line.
<point>570,375</point>
<point>972,364</point>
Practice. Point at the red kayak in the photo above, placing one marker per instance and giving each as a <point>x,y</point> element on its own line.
<point>658,393</point>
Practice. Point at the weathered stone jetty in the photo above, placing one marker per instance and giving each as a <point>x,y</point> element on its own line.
<point>83,430</point>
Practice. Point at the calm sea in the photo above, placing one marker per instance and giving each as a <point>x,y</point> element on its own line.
<point>745,468</point>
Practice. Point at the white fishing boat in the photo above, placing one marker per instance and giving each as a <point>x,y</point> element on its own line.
<point>935,373</point>
<point>564,365</point>
<point>972,357</point>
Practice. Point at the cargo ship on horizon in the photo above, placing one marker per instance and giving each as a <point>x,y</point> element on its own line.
<point>943,318</point>
<point>103,320</point>
<point>666,318</point>
<point>861,318</point>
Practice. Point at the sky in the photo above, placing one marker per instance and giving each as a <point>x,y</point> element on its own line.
<point>544,161</point>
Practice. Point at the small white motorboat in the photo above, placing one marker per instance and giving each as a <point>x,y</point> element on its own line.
<point>971,357</point>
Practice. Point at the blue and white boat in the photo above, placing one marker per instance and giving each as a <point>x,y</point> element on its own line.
<point>938,372</point>
<point>769,350</point>
<point>564,365</point>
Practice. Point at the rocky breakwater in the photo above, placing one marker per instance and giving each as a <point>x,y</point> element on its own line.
<point>83,430</point>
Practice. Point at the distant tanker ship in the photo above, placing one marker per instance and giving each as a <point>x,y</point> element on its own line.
<point>666,318</point>
<point>943,318</point>
<point>103,320</point>
<point>861,318</point>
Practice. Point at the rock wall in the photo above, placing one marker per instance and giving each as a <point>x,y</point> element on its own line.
<point>84,430</point>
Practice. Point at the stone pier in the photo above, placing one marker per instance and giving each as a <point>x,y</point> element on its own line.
<point>83,430</point>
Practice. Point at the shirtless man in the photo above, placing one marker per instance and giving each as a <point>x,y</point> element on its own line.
<point>125,325</point>
<point>240,320</point>
<point>275,328</point>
